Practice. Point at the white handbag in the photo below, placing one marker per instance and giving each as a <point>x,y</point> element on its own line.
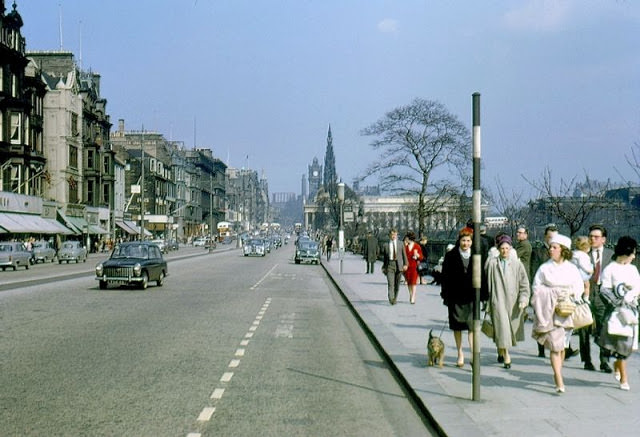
<point>615,326</point>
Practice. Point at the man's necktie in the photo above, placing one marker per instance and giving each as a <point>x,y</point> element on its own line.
<point>596,270</point>
<point>395,255</point>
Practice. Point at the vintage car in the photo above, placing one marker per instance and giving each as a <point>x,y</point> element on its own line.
<point>133,263</point>
<point>162,245</point>
<point>307,251</point>
<point>72,251</point>
<point>42,251</point>
<point>254,247</point>
<point>14,254</point>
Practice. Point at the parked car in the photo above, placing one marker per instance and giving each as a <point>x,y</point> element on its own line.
<point>210,244</point>
<point>133,263</point>
<point>254,247</point>
<point>14,254</point>
<point>161,244</point>
<point>42,251</point>
<point>72,251</point>
<point>199,242</point>
<point>307,251</point>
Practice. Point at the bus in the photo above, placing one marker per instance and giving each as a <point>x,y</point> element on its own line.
<point>224,231</point>
<point>298,227</point>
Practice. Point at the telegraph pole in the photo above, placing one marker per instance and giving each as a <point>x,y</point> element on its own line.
<point>476,257</point>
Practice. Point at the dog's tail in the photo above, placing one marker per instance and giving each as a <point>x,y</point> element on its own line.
<point>430,334</point>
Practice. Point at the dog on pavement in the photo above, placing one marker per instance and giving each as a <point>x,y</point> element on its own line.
<point>435,350</point>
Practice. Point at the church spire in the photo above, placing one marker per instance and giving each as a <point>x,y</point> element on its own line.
<point>330,176</point>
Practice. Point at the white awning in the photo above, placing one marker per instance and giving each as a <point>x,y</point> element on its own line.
<point>30,224</point>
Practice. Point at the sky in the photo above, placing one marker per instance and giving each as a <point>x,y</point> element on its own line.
<point>260,81</point>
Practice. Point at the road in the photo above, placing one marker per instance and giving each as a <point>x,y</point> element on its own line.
<point>228,346</point>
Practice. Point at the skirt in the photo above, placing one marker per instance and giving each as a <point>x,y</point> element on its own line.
<point>461,316</point>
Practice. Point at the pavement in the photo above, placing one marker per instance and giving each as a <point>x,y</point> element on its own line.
<point>520,401</point>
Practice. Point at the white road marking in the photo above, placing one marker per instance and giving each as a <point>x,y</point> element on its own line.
<point>234,363</point>
<point>248,335</point>
<point>226,377</point>
<point>217,393</point>
<point>206,414</point>
<point>263,278</point>
<point>284,331</point>
<point>194,434</point>
<point>244,343</point>
<point>256,322</point>
<point>253,328</point>
<point>258,317</point>
<point>239,352</point>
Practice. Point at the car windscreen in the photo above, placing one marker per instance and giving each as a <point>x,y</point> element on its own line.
<point>131,251</point>
<point>308,246</point>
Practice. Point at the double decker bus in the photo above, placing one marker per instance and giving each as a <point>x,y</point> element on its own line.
<point>224,231</point>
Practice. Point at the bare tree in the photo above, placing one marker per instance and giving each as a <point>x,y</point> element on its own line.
<point>509,204</point>
<point>414,141</point>
<point>571,202</point>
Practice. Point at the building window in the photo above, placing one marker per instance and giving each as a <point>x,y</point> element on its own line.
<point>1,123</point>
<point>73,189</point>
<point>1,78</point>
<point>106,194</point>
<point>74,124</point>
<point>90,191</point>
<point>16,128</point>
<point>90,159</point>
<point>105,166</point>
<point>73,156</point>
<point>14,85</point>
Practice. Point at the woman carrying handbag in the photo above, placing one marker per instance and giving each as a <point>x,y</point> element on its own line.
<point>619,290</point>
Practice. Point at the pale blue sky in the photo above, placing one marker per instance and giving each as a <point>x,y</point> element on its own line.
<point>560,79</point>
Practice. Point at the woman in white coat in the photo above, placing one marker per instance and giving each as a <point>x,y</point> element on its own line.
<point>508,287</point>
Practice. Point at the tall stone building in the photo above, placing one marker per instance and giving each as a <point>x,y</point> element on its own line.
<point>315,179</point>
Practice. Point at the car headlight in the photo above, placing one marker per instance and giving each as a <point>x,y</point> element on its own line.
<point>137,269</point>
<point>99,270</point>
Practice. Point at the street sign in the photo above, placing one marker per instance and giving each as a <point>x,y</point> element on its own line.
<point>349,217</point>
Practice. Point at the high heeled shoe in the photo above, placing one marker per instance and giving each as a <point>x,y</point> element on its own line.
<point>460,362</point>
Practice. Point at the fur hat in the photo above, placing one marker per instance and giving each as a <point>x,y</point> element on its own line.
<point>562,240</point>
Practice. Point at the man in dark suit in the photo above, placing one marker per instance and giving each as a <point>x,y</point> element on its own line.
<point>523,249</point>
<point>600,257</point>
<point>394,263</point>
<point>370,251</point>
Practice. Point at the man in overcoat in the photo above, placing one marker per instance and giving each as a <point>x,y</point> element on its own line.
<point>394,263</point>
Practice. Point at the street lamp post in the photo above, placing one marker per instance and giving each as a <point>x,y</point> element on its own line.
<point>341,224</point>
<point>210,212</point>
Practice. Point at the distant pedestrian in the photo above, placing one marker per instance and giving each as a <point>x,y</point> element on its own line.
<point>370,251</point>
<point>619,290</point>
<point>414,256</point>
<point>523,249</point>
<point>394,263</point>
<point>509,292</point>
<point>457,290</point>
<point>425,255</point>
<point>328,247</point>
<point>556,280</point>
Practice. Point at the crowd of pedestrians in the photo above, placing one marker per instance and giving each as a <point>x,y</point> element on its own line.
<point>515,275</point>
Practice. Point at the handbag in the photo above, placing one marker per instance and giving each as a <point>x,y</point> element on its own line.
<point>487,325</point>
<point>565,307</point>
<point>582,315</point>
<point>627,315</point>
<point>423,268</point>
<point>616,327</point>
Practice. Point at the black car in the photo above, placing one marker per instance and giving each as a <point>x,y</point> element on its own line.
<point>134,263</point>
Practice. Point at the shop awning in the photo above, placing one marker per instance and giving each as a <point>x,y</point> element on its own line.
<point>136,228</point>
<point>69,224</point>
<point>127,229</point>
<point>94,229</point>
<point>30,224</point>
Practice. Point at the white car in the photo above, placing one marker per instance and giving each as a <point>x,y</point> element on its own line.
<point>199,242</point>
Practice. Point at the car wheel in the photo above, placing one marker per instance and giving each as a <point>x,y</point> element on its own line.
<point>103,285</point>
<point>15,268</point>
<point>160,280</point>
<point>145,281</point>
<point>297,261</point>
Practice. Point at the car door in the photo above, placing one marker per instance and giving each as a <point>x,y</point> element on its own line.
<point>155,258</point>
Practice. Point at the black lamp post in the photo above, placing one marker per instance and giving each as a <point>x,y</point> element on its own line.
<point>341,223</point>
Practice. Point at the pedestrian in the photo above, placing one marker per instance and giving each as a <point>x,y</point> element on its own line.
<point>523,249</point>
<point>457,290</point>
<point>328,247</point>
<point>539,256</point>
<point>425,255</point>
<point>370,251</point>
<point>414,256</point>
<point>600,257</point>
<point>509,292</point>
<point>556,280</point>
<point>394,264</point>
<point>620,288</point>
<point>583,262</point>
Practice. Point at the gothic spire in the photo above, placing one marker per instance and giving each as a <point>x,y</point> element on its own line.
<point>329,176</point>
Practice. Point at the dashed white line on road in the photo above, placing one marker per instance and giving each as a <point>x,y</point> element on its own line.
<point>248,335</point>
<point>244,343</point>
<point>239,352</point>
<point>263,278</point>
<point>206,414</point>
<point>226,377</point>
<point>217,393</point>
<point>253,328</point>
<point>234,363</point>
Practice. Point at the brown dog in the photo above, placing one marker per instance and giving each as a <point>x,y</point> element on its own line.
<point>435,349</point>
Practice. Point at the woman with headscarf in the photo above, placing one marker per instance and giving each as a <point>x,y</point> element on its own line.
<point>508,289</point>
<point>620,289</point>
<point>556,279</point>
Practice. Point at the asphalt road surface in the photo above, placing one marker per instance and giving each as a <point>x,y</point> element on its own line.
<point>229,346</point>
